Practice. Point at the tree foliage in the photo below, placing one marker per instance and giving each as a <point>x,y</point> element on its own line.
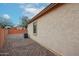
<point>24,21</point>
<point>5,22</point>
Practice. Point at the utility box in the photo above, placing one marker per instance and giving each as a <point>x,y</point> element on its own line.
<point>25,35</point>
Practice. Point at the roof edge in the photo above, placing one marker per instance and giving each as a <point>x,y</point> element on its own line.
<point>41,13</point>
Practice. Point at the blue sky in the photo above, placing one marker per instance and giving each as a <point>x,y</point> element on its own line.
<point>14,11</point>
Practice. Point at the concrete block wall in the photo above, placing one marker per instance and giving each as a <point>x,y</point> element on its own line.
<point>17,31</point>
<point>3,35</point>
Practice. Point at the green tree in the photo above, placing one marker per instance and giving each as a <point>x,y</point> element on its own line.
<point>24,21</point>
<point>5,22</point>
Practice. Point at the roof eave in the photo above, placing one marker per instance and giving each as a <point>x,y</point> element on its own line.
<point>42,12</point>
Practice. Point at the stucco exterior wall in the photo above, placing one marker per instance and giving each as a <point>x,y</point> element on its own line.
<point>59,30</point>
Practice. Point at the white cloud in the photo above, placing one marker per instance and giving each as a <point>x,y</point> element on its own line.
<point>6,16</point>
<point>31,9</point>
<point>31,12</point>
<point>27,5</point>
<point>17,24</point>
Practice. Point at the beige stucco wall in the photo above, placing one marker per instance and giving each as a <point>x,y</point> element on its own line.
<point>59,30</point>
